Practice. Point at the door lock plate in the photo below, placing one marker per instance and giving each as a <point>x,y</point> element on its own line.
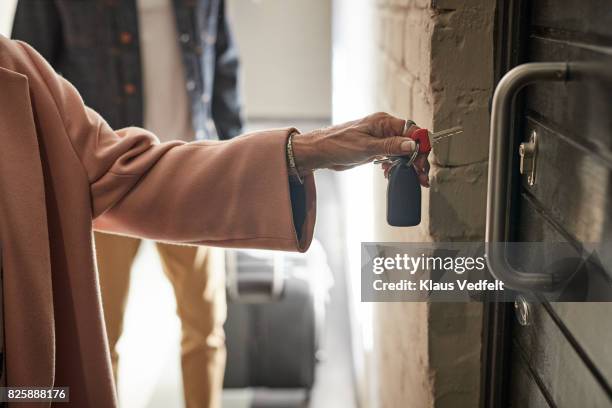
<point>528,152</point>
<point>522,310</point>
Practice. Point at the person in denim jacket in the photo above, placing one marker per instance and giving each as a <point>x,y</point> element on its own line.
<point>171,67</point>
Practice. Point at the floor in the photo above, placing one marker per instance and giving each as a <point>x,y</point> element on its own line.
<point>152,329</point>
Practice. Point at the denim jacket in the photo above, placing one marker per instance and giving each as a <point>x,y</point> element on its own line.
<point>95,45</point>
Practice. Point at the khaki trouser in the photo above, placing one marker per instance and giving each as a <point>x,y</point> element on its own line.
<point>197,275</point>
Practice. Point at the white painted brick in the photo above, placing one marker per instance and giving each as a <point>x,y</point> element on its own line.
<point>385,30</point>
<point>469,147</point>
<point>462,77</point>
<point>454,352</point>
<point>404,3</point>
<point>402,98</point>
<point>422,112</point>
<point>423,3</point>
<point>396,40</point>
<point>416,56</point>
<point>458,202</point>
<point>429,355</point>
<point>402,364</point>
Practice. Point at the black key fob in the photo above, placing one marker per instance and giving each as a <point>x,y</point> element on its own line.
<point>403,196</point>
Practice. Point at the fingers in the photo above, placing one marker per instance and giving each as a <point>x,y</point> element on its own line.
<point>421,165</point>
<point>393,146</point>
<point>387,128</point>
<point>424,179</point>
<point>410,131</point>
<point>384,125</point>
<point>386,169</point>
<point>341,167</point>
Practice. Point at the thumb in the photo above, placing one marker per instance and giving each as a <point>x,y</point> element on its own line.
<point>395,146</point>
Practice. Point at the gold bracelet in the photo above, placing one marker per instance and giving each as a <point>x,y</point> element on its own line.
<point>293,170</point>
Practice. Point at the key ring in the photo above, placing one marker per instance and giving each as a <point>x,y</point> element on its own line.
<point>398,159</point>
<point>414,154</point>
<point>401,160</point>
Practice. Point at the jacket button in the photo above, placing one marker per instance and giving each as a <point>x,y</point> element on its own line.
<point>129,89</point>
<point>206,98</point>
<point>184,38</point>
<point>125,38</point>
<point>190,85</point>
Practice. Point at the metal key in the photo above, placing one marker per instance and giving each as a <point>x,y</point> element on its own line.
<point>444,134</point>
<point>433,139</point>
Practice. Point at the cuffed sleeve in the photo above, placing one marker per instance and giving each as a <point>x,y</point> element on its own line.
<point>227,193</point>
<point>233,193</point>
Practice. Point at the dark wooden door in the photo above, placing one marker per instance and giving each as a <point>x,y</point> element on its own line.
<point>562,355</point>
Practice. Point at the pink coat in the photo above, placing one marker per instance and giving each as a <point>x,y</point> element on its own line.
<point>62,167</point>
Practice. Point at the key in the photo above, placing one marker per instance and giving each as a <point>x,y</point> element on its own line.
<point>404,188</point>
<point>424,140</point>
<point>444,134</point>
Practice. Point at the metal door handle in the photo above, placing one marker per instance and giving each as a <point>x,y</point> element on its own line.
<point>499,175</point>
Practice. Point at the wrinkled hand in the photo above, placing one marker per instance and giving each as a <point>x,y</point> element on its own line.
<point>358,142</point>
<point>421,163</point>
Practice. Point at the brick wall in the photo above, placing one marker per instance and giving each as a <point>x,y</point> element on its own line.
<point>435,66</point>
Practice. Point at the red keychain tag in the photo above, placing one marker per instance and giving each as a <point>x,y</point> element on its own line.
<point>422,137</point>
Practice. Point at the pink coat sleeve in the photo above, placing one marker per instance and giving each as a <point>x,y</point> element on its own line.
<point>230,193</point>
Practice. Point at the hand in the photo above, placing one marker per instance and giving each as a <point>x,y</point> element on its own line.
<point>421,164</point>
<point>358,142</point>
